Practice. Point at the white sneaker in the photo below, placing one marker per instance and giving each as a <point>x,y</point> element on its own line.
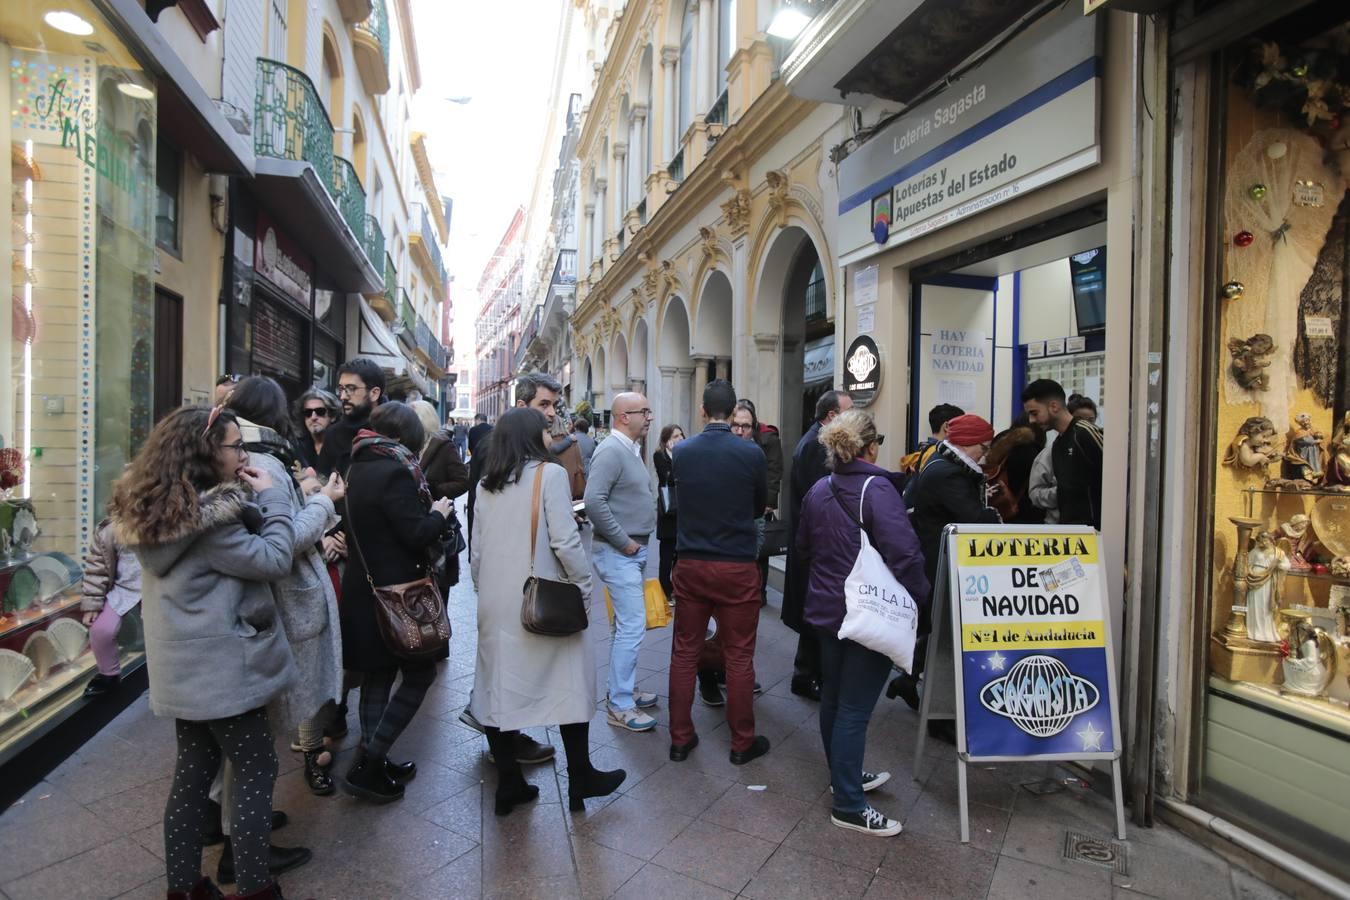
<point>466,718</point>
<point>871,780</point>
<point>632,719</point>
<point>644,700</point>
<point>869,821</point>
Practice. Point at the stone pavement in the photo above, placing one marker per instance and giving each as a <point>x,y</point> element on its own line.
<point>699,829</point>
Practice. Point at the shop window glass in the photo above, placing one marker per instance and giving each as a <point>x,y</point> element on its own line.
<point>168,175</point>
<point>77,351</point>
<point>1277,710</point>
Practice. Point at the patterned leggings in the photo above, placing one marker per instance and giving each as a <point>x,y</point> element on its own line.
<point>247,740</point>
<point>383,717</point>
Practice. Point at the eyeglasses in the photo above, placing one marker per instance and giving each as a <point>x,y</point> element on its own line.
<point>237,447</point>
<point>349,390</point>
<point>645,413</point>
<point>881,439</point>
<point>741,427</point>
<point>316,412</point>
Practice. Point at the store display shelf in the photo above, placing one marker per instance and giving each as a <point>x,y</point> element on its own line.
<point>1319,576</point>
<point>38,614</point>
<point>1297,492</point>
<point>1330,714</point>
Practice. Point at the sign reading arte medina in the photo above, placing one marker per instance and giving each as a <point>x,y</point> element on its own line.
<point>1035,676</point>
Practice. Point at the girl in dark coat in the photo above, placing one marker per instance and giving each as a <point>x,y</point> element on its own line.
<point>859,494</point>
<point>394,527</point>
<point>665,508</point>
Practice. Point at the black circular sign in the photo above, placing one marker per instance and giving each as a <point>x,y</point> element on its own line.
<point>862,370</point>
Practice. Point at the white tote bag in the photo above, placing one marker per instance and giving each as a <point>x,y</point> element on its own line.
<point>881,615</point>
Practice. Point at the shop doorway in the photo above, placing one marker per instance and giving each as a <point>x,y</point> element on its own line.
<point>992,319</point>
<point>168,360</point>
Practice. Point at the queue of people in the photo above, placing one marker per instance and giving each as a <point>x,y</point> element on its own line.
<point>268,539</point>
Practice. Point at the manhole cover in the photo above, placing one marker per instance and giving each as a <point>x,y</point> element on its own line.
<point>1095,851</point>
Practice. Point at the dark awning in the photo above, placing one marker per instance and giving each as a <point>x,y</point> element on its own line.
<point>295,197</point>
<point>187,116</point>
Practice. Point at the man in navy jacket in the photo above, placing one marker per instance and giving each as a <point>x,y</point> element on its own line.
<point>721,485</point>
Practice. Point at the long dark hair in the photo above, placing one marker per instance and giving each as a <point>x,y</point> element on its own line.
<point>516,441</point>
<point>261,401</point>
<point>400,422</point>
<point>666,434</point>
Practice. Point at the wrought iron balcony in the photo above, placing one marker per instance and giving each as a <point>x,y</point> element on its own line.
<point>718,114</point>
<point>386,304</point>
<point>374,243</point>
<point>424,247</point>
<point>407,315</point>
<point>370,46</point>
<point>351,198</point>
<point>676,168</point>
<point>290,121</point>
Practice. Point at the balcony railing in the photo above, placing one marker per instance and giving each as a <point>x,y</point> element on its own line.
<point>407,316</point>
<point>374,244</point>
<point>676,168</point>
<point>424,336</point>
<point>642,211</point>
<point>377,27</point>
<point>718,114</point>
<point>815,300</point>
<point>350,197</point>
<point>565,269</point>
<point>429,234</point>
<point>290,120</point>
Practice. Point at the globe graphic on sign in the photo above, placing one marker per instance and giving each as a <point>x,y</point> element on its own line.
<point>1040,695</point>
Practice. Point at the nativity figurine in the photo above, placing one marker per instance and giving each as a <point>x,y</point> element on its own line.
<point>1302,459</point>
<point>1254,446</point>
<point>1338,457</point>
<point>1266,565</point>
<point>1251,358</point>
<point>1309,667</point>
<point>1298,532</point>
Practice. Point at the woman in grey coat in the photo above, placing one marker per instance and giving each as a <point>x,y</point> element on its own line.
<point>523,679</point>
<point>215,650</point>
<point>305,597</point>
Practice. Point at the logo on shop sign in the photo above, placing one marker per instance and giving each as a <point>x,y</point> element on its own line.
<point>863,370</point>
<point>1040,695</point>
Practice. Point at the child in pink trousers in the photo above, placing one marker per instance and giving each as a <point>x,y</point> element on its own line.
<point>111,589</point>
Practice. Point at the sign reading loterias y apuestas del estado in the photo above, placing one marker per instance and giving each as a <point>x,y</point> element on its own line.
<point>1035,676</point>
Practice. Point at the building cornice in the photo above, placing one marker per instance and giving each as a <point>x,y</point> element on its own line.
<point>404,10</point>
<point>428,179</point>
<point>610,72</point>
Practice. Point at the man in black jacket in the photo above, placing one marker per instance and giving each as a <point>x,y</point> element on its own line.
<point>808,467</point>
<point>360,389</point>
<point>1076,454</point>
<point>480,430</point>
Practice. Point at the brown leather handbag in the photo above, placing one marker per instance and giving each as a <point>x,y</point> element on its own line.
<point>411,616</point>
<point>551,608</point>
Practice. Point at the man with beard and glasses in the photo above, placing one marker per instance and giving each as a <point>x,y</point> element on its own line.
<point>360,389</point>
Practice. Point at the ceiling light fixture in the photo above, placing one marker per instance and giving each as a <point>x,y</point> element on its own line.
<point>136,91</point>
<point>67,21</point>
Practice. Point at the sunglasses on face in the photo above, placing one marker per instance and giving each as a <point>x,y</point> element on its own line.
<point>318,412</point>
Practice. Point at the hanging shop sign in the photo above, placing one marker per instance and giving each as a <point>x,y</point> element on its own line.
<point>1031,652</point>
<point>862,370</point>
<point>818,360</point>
<point>1026,117</point>
<point>281,261</point>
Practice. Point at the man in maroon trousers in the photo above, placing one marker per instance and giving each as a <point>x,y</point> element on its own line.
<point>721,485</point>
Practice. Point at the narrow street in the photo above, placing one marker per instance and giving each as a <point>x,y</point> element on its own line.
<point>699,829</point>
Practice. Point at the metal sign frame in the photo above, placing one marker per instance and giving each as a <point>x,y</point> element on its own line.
<point>937,685</point>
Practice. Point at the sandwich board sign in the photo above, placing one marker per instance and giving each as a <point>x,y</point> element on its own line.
<point>1031,676</point>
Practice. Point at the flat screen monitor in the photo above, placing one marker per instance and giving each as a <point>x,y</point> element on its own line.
<point>1087,273</point>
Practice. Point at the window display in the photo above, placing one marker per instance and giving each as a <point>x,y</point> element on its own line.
<point>1277,718</point>
<point>75,349</point>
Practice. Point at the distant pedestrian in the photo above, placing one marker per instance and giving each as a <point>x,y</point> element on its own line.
<point>523,679</point>
<point>480,430</point>
<point>581,429</point>
<point>315,411</point>
<point>721,484</point>
<point>1076,454</point>
<point>938,417</point>
<point>394,528</point>
<point>360,390</point>
<point>566,450</point>
<point>808,467</point>
<point>215,650</point>
<point>622,509</point>
<point>858,496</point>
<point>111,588</point>
<point>442,466</point>
<point>461,432</point>
<point>769,440</point>
<point>1081,407</point>
<point>666,512</point>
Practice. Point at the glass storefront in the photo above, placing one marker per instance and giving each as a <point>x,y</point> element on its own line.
<point>1276,753</point>
<point>76,349</point>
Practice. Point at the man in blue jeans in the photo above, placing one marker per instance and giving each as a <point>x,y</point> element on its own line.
<point>622,509</point>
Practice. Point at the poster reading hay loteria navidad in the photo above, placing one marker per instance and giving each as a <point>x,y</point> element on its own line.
<point>1034,676</point>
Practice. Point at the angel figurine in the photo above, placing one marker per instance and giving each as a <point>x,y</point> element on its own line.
<point>1254,445</point>
<point>1312,654</point>
<point>1266,565</point>
<point>1302,458</point>
<point>1297,536</point>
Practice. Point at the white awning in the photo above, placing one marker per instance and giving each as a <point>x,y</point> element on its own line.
<point>376,342</point>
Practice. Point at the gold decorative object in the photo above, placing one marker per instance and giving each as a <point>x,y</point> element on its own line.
<point>1233,654</point>
<point>1331,521</point>
<point>1233,290</point>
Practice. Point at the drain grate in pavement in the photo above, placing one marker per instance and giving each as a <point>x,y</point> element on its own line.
<point>1095,851</point>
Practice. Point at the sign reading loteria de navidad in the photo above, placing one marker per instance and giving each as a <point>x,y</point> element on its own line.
<point>1025,117</point>
<point>1035,676</point>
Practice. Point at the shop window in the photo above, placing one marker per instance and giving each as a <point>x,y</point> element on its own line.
<point>1277,705</point>
<point>815,295</point>
<point>168,179</point>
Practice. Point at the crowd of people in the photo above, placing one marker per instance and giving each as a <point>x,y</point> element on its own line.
<point>263,540</point>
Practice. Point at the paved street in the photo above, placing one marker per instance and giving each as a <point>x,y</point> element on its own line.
<point>700,829</point>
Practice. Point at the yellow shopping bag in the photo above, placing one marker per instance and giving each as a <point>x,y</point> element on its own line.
<point>658,612</point>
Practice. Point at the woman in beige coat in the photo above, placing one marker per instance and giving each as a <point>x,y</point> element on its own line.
<point>521,679</point>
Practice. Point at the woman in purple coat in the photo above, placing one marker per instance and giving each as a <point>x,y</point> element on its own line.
<point>828,539</point>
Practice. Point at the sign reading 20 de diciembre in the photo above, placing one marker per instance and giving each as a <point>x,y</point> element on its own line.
<point>1034,644</point>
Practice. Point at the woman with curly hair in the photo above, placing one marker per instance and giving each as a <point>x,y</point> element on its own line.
<point>211,533</point>
<point>858,496</point>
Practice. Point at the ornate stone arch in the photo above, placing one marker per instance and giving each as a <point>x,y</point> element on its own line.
<point>785,212</point>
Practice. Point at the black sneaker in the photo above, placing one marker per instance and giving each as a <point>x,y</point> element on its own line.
<point>101,684</point>
<point>869,821</point>
<point>710,693</point>
<point>530,751</point>
<point>806,687</point>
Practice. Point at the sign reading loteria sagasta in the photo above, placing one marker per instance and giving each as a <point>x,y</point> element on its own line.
<point>1032,635</point>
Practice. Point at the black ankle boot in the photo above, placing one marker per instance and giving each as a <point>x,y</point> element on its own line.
<point>369,781</point>
<point>511,792</point>
<point>400,773</point>
<point>279,859</point>
<point>594,784</point>
<point>316,776</point>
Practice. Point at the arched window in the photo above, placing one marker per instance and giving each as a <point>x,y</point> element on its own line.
<point>687,75</point>
<point>359,146</point>
<point>330,85</point>
<point>726,40</point>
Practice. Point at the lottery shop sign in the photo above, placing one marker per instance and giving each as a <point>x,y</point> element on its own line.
<point>1034,668</point>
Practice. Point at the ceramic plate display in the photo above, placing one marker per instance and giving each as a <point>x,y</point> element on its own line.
<point>25,529</point>
<point>56,573</point>
<point>70,637</point>
<point>22,589</point>
<point>43,653</point>
<point>15,670</point>
<point>1331,522</point>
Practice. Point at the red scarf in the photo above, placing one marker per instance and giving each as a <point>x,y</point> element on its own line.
<point>382,446</point>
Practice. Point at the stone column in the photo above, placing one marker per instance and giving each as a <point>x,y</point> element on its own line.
<point>670,56</point>
<point>724,369</point>
<point>706,60</point>
<point>639,166</point>
<point>688,411</point>
<point>766,379</point>
<point>589,240</point>
<point>700,381</point>
<point>603,220</point>
<point>668,410</point>
<point>621,202</point>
